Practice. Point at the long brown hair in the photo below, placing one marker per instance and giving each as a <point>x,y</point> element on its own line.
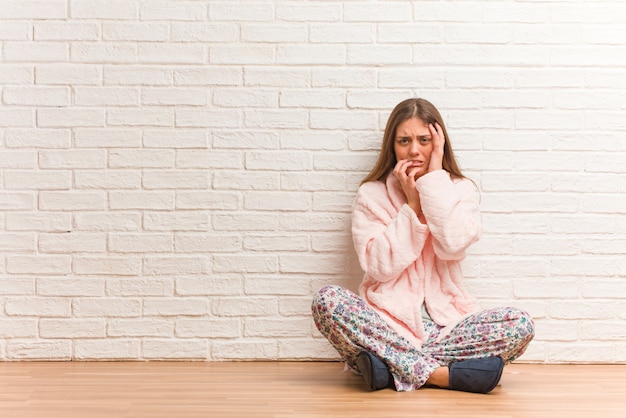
<point>410,108</point>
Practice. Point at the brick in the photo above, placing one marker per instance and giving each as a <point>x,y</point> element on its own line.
<point>389,12</point>
<point>17,242</point>
<point>260,285</point>
<point>17,118</point>
<point>72,328</point>
<point>203,76</point>
<point>204,32</point>
<point>374,53</point>
<point>245,306</point>
<point>175,138</point>
<point>175,180</point>
<point>213,286</point>
<point>134,31</point>
<point>141,158</point>
<point>245,97</point>
<point>143,75</point>
<point>17,74</point>
<point>17,201</point>
<point>36,52</point>
<point>245,11</point>
<point>279,327</point>
<point>39,264</point>
<point>106,349</point>
<point>250,54</point>
<point>309,12</point>
<point>46,307</point>
<point>207,200</point>
<point>36,96</point>
<point>140,327</point>
<point>284,201</point>
<point>164,307</point>
<point>176,265</point>
<point>17,286</point>
<point>312,99</point>
<point>66,74</point>
<point>277,119</point>
<point>208,328</point>
<point>106,96</point>
<point>245,263</point>
<point>107,221</point>
<point>208,159</point>
<point>343,77</point>
<point>280,33</point>
<point>15,31</point>
<point>330,54</point>
<point>277,77</point>
<point>40,350</point>
<point>66,31</point>
<point>71,243</point>
<point>103,52</point>
<point>38,138</point>
<point>196,118</point>
<point>111,179</point>
<point>276,243</point>
<point>174,96</point>
<point>175,349</point>
<point>101,9</point>
<point>110,265</point>
<point>49,222</point>
<point>229,180</point>
<point>106,307</point>
<point>70,117</point>
<point>140,243</point>
<point>71,200</point>
<point>159,53</point>
<point>248,349</point>
<point>43,180</point>
<point>288,161</point>
<point>140,287</point>
<point>128,200</point>
<point>203,243</point>
<point>172,221</point>
<point>172,11</point>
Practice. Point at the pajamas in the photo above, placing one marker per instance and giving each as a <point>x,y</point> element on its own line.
<point>351,325</point>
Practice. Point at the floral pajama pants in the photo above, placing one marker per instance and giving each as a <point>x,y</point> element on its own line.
<point>351,325</point>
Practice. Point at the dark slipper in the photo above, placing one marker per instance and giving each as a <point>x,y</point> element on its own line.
<point>476,375</point>
<point>374,371</point>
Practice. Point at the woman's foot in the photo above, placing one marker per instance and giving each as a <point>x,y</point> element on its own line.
<point>374,371</point>
<point>476,375</point>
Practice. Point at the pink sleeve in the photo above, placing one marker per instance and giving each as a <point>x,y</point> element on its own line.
<point>452,213</point>
<point>386,242</point>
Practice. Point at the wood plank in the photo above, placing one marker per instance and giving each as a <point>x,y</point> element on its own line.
<point>293,389</point>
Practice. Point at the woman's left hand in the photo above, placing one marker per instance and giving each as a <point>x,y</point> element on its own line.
<point>439,140</point>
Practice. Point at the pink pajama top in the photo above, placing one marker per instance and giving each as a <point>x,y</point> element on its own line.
<point>408,264</point>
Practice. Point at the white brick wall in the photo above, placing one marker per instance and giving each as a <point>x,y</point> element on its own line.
<point>177,176</point>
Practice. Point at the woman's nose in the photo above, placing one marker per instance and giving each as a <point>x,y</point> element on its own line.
<point>414,148</point>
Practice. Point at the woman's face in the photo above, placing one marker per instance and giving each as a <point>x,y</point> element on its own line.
<point>413,142</point>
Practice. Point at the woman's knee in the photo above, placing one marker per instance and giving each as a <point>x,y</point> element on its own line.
<point>524,324</point>
<point>323,297</point>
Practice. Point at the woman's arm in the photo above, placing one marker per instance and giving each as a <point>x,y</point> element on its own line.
<point>452,213</point>
<point>386,244</point>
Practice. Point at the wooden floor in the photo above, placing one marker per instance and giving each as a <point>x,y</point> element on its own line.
<point>286,389</point>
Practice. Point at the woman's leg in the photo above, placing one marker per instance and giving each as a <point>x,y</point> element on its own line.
<point>351,326</point>
<point>504,332</point>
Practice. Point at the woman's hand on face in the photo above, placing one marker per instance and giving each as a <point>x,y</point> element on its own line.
<point>406,174</point>
<point>439,140</point>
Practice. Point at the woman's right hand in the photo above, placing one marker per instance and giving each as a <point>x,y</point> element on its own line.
<point>406,173</point>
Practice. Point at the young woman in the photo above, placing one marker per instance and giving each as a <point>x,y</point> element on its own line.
<point>414,323</point>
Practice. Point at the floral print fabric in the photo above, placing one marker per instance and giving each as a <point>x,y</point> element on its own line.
<point>351,326</point>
